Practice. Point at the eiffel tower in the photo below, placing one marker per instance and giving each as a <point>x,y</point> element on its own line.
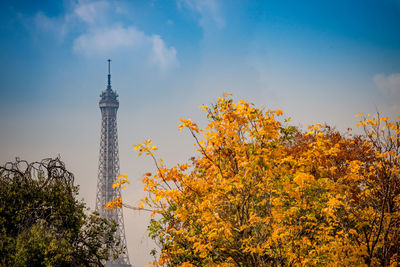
<point>109,169</point>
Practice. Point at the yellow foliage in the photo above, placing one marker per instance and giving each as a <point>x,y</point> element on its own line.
<point>263,193</point>
<point>114,204</point>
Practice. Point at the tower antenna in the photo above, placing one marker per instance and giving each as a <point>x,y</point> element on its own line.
<point>109,74</point>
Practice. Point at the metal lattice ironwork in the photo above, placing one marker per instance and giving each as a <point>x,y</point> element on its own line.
<point>109,168</point>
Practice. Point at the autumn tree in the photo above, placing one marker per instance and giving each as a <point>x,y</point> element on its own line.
<point>43,224</point>
<point>264,193</point>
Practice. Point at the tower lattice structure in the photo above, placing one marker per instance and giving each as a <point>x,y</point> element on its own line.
<point>109,168</point>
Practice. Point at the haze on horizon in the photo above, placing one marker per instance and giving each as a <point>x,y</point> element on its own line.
<point>318,61</point>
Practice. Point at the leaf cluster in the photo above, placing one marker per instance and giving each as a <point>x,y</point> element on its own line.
<point>264,193</point>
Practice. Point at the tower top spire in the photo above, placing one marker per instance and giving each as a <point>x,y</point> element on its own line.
<point>109,75</point>
<point>109,98</point>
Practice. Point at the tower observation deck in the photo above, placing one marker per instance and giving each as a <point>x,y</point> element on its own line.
<point>109,168</point>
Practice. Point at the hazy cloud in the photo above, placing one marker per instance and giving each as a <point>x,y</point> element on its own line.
<point>389,85</point>
<point>104,40</point>
<point>78,14</point>
<point>209,10</point>
<point>56,26</point>
<point>92,12</point>
<point>98,32</point>
<point>45,23</point>
<point>118,38</point>
<point>161,55</point>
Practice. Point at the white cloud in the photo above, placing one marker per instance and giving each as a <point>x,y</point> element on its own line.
<point>44,23</point>
<point>56,26</point>
<point>162,56</point>
<point>105,40</point>
<point>127,40</point>
<point>78,14</point>
<point>92,12</point>
<point>389,85</point>
<point>208,10</point>
<point>98,32</point>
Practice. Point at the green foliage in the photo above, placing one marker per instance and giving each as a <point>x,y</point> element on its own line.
<point>43,224</point>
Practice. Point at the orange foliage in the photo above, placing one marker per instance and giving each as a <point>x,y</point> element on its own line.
<point>263,193</point>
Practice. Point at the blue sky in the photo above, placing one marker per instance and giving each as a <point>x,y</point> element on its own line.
<point>319,61</point>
